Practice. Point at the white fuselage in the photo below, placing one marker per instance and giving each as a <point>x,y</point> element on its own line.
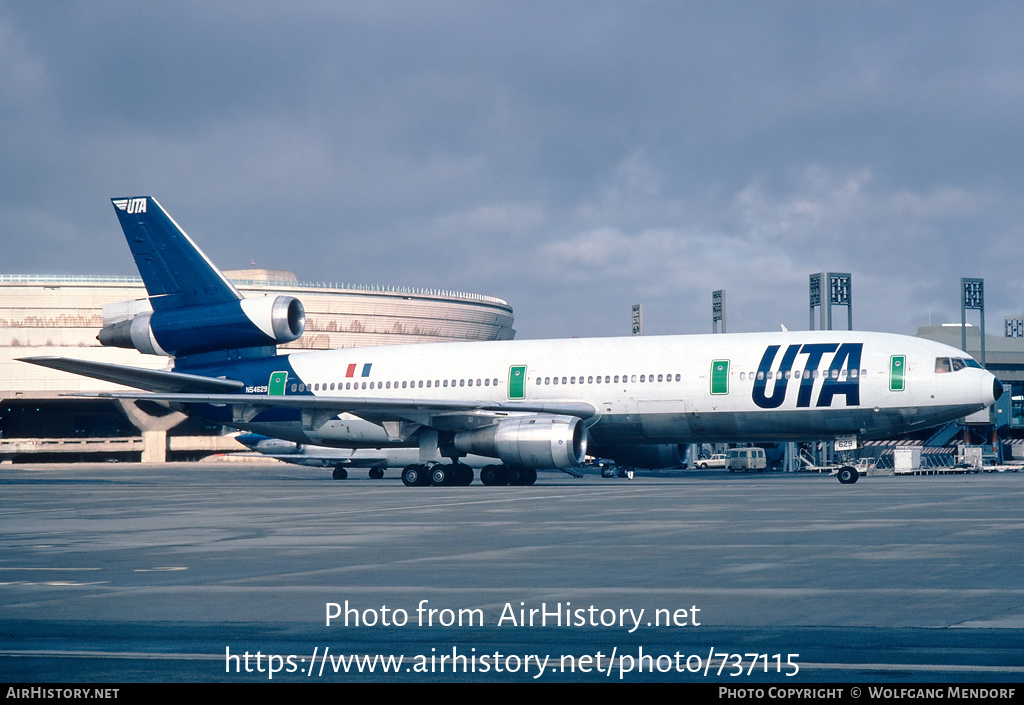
<point>671,389</point>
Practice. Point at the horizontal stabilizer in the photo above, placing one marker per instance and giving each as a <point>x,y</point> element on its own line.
<point>140,378</point>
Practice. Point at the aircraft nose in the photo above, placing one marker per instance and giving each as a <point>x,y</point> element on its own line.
<point>997,389</point>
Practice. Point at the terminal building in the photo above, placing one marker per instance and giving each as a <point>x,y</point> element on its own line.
<point>61,316</point>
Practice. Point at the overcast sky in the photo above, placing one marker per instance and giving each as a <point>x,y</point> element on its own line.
<point>572,158</point>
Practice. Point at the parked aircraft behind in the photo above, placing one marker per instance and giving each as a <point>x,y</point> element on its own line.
<point>375,460</point>
<point>533,404</point>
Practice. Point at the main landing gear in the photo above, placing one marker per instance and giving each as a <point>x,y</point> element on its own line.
<point>505,475</point>
<point>460,474</point>
<point>441,474</point>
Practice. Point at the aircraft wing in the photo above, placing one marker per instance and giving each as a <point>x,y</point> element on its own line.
<point>358,405</point>
<point>180,388</point>
<point>151,380</point>
<point>439,413</point>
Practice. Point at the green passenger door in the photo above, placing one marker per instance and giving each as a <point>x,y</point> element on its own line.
<point>897,372</point>
<point>720,377</point>
<point>517,382</point>
<point>278,381</point>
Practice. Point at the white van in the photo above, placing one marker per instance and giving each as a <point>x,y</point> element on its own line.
<point>747,459</point>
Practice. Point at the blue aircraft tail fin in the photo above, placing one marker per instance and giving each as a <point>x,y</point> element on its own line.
<point>196,310</point>
<point>174,269</point>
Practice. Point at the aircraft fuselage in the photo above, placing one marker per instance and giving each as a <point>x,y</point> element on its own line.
<point>644,390</point>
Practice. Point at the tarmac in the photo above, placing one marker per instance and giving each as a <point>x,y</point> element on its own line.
<point>121,573</point>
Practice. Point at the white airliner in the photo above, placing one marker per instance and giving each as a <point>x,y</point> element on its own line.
<point>534,404</point>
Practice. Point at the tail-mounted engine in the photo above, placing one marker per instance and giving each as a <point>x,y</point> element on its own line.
<point>188,330</point>
<point>539,442</point>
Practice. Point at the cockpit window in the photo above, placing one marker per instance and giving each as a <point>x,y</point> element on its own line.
<point>954,364</point>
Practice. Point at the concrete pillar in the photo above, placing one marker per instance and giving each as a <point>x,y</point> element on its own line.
<point>153,425</point>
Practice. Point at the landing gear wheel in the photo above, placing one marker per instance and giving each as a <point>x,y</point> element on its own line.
<point>493,475</point>
<point>415,476</point>
<point>848,475</point>
<point>442,475</point>
<point>521,477</point>
<point>339,473</point>
<point>376,473</point>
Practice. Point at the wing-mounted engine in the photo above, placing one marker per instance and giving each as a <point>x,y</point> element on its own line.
<point>542,442</point>
<point>187,330</point>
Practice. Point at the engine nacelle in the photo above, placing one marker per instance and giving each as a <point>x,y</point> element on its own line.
<point>651,457</point>
<point>539,442</point>
<point>271,446</point>
<point>247,323</point>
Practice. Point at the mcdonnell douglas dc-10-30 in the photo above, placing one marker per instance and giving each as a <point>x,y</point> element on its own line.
<point>531,404</point>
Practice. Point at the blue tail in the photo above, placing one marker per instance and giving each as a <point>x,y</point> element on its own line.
<point>175,270</point>
<point>195,308</point>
